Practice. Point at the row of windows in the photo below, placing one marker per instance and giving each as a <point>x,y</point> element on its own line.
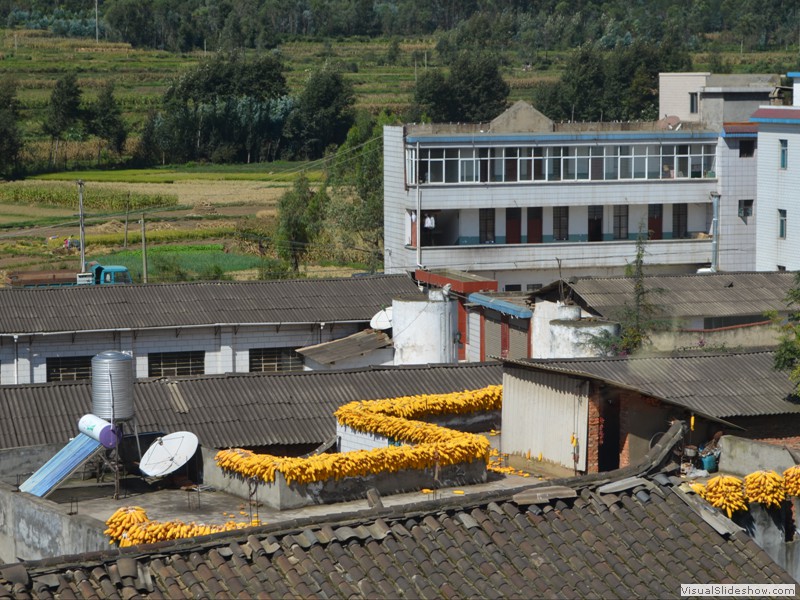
<point>559,163</point>
<point>176,364</point>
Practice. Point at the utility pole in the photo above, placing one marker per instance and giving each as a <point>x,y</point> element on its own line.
<point>144,254</point>
<point>80,220</point>
<point>127,212</point>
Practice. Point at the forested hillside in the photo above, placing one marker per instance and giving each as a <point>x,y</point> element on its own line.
<point>533,26</point>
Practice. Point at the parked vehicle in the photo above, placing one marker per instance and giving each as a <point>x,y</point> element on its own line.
<point>96,274</point>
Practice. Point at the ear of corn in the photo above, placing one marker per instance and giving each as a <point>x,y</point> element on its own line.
<point>724,492</point>
<point>130,526</point>
<point>392,418</point>
<point>791,481</point>
<point>765,487</point>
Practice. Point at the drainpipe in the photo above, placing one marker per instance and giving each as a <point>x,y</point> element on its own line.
<point>418,224</point>
<point>715,232</point>
<point>16,360</point>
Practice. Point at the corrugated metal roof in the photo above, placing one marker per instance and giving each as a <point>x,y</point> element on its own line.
<point>253,409</point>
<point>358,344</point>
<point>675,296</point>
<point>783,114</point>
<point>89,308</point>
<point>735,384</point>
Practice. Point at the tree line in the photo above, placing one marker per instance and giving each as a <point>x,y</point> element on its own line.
<point>539,26</point>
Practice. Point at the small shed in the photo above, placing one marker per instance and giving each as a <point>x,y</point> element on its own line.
<point>598,414</point>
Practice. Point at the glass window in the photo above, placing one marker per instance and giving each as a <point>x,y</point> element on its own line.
<point>680,220</point>
<point>69,368</point>
<point>525,164</point>
<point>745,208</point>
<point>784,154</point>
<point>469,172</point>
<point>621,222</point>
<point>561,223</point>
<point>273,360</point>
<point>176,364</point>
<point>693,102</point>
<point>782,223</point>
<point>486,225</point>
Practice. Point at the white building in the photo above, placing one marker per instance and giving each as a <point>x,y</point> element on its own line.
<point>512,199</point>
<point>525,201</point>
<point>778,225</point>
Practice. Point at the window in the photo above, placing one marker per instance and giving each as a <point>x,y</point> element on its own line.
<point>513,287</point>
<point>745,208</point>
<point>621,222</point>
<point>782,223</point>
<point>533,286</point>
<point>693,103</point>
<point>561,223</point>
<point>747,148</point>
<point>273,360</point>
<point>784,154</point>
<point>680,220</point>
<point>176,364</point>
<point>486,233</point>
<point>69,368</point>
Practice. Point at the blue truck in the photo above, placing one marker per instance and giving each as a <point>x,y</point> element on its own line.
<point>96,274</point>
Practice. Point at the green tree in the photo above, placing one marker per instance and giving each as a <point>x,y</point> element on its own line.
<point>432,98</point>
<point>478,87</point>
<point>323,115</point>
<point>106,121</point>
<point>299,214</point>
<point>636,320</point>
<point>10,133</point>
<point>63,111</point>
<point>787,354</point>
<point>356,180</point>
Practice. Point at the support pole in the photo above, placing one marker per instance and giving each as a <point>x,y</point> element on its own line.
<point>82,228</point>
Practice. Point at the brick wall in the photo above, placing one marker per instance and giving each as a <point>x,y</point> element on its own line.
<point>783,430</point>
<point>594,437</point>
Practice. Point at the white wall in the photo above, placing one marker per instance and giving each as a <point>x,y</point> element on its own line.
<point>778,189</point>
<point>424,331</point>
<point>673,94</point>
<point>737,236</point>
<point>351,440</point>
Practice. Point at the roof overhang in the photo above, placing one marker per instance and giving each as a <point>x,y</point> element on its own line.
<point>500,305</point>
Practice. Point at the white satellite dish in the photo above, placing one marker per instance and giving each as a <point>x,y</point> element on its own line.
<point>168,454</point>
<point>382,320</point>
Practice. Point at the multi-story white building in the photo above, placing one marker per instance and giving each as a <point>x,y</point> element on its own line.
<point>524,201</point>
<point>517,198</point>
<point>778,226</point>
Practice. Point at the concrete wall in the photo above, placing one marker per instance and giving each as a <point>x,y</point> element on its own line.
<point>17,464</point>
<point>351,440</point>
<point>739,336</point>
<point>673,97</point>
<point>32,528</point>
<point>282,496</point>
<point>740,456</point>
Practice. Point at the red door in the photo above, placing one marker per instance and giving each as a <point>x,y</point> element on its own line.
<point>655,221</point>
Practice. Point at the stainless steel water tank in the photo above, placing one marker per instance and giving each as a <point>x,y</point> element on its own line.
<point>112,386</point>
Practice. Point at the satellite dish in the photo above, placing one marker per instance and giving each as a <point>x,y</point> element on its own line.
<point>382,320</point>
<point>168,454</point>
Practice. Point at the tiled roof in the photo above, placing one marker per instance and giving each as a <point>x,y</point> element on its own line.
<point>91,308</point>
<point>639,542</point>
<point>251,409</point>
<point>720,385</point>
<point>358,344</point>
<point>739,129</point>
<point>711,294</point>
